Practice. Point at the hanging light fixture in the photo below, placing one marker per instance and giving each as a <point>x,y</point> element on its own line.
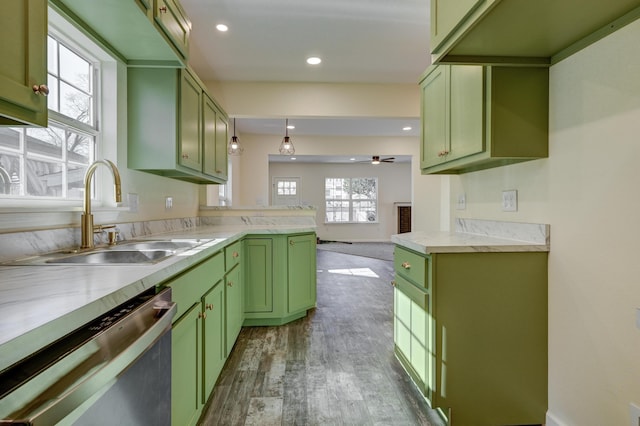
<point>234,144</point>
<point>286,146</point>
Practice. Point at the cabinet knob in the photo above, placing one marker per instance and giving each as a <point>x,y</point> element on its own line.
<point>185,156</point>
<point>163,9</point>
<point>393,283</point>
<point>406,265</point>
<point>40,89</point>
<point>202,315</point>
<point>209,306</point>
<point>235,254</point>
<point>230,284</point>
<point>443,153</point>
<point>292,243</point>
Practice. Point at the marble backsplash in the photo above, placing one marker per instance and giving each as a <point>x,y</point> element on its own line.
<point>530,232</point>
<point>16,245</point>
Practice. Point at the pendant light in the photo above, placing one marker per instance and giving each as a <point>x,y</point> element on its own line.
<point>286,146</point>
<point>234,144</point>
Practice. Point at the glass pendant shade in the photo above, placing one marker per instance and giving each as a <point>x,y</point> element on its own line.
<point>286,146</point>
<point>234,147</point>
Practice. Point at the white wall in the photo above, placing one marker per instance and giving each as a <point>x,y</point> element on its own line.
<point>394,185</point>
<point>588,191</point>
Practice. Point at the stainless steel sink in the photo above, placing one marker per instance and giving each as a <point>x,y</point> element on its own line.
<point>113,256</point>
<point>157,245</point>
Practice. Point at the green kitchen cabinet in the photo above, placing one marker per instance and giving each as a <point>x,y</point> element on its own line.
<point>279,278</point>
<point>478,117</point>
<point>258,275</point>
<point>472,333</point>
<point>214,354</point>
<point>234,306</point>
<point>23,26</point>
<point>521,32</point>
<point>214,139</point>
<point>139,32</point>
<point>170,119</point>
<point>301,272</point>
<point>186,361</point>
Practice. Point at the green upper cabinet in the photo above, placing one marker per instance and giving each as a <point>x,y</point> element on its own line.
<point>139,32</point>
<point>171,124</point>
<point>23,68</point>
<point>214,139</point>
<point>476,117</point>
<point>521,31</point>
<point>301,271</point>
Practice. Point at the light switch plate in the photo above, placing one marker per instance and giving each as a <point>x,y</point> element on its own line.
<point>132,200</point>
<point>634,414</point>
<point>462,202</point>
<point>168,203</point>
<point>510,200</point>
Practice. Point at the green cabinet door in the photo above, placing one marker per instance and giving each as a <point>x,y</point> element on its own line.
<point>23,26</point>
<point>209,117</point>
<point>234,306</point>
<point>174,23</point>
<point>435,118</point>
<point>402,323</point>
<point>258,275</point>
<point>213,332</point>
<point>466,109</point>
<point>186,353</point>
<point>301,269</point>
<point>190,122</point>
<point>222,136</point>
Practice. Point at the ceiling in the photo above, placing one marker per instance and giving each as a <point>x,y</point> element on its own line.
<point>359,41</point>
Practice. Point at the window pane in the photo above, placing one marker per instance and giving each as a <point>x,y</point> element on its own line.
<point>337,211</point>
<point>44,178</point>
<point>9,138</point>
<point>75,104</point>
<point>47,141</point>
<point>52,56</point>
<point>364,211</point>
<point>53,99</point>
<point>75,70</point>
<point>79,148</point>
<point>337,188</point>
<point>75,181</point>
<point>363,188</point>
<point>10,174</point>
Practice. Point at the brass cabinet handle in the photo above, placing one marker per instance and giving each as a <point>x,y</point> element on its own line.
<point>202,315</point>
<point>235,254</point>
<point>443,153</point>
<point>185,156</point>
<point>41,89</point>
<point>163,9</point>
<point>393,283</point>
<point>292,243</point>
<point>230,284</point>
<point>209,306</point>
<point>406,265</point>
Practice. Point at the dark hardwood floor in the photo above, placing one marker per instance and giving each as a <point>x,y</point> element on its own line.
<point>333,367</point>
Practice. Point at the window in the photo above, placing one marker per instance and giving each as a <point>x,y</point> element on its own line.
<point>351,200</point>
<point>50,162</point>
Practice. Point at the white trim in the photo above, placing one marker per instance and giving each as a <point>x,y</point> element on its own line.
<point>551,420</point>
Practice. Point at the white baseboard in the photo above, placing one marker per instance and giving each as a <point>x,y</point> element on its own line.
<point>552,420</point>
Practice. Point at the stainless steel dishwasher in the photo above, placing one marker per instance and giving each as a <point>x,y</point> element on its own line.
<point>114,370</point>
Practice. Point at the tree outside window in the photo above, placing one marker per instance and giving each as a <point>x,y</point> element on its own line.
<point>351,200</point>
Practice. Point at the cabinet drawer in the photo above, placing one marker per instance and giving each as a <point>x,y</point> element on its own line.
<point>232,255</point>
<point>418,296</point>
<point>411,266</point>
<point>189,287</point>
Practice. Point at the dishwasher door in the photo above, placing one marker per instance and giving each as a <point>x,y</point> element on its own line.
<point>113,370</point>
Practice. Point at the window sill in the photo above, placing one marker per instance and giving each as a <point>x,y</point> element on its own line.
<point>352,223</point>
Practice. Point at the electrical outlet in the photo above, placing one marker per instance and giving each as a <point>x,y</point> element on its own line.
<point>132,200</point>
<point>168,203</point>
<point>634,414</point>
<point>510,201</point>
<point>462,202</point>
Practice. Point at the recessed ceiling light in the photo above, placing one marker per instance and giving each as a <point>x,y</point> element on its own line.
<point>293,158</point>
<point>407,128</point>
<point>352,159</point>
<point>222,28</point>
<point>314,60</point>
<point>291,126</point>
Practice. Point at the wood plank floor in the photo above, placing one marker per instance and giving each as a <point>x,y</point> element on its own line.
<point>333,367</point>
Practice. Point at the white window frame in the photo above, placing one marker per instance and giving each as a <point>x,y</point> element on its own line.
<point>351,200</point>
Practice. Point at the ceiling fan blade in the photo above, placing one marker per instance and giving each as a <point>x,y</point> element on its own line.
<point>388,160</point>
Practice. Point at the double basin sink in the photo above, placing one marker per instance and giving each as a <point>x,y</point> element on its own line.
<point>124,253</point>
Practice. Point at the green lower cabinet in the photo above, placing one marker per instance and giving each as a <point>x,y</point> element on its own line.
<point>279,278</point>
<point>186,353</point>
<point>475,342</point>
<point>234,307</point>
<point>214,354</point>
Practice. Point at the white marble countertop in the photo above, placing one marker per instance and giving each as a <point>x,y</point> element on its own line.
<point>459,242</point>
<point>42,303</point>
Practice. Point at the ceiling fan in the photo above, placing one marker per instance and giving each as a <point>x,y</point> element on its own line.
<point>377,160</point>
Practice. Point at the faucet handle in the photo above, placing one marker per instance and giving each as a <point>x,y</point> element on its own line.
<point>112,236</point>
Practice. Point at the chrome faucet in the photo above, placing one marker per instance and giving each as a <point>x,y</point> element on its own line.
<point>86,221</point>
